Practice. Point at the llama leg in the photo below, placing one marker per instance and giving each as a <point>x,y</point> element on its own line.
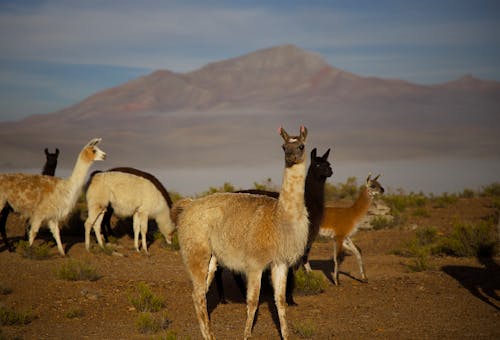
<point>253,291</point>
<point>3,220</point>
<point>54,228</point>
<point>349,245</point>
<point>35,226</point>
<point>212,268</point>
<point>337,250</point>
<point>143,223</point>
<point>93,221</point>
<point>197,263</point>
<point>137,229</point>
<point>290,286</point>
<point>97,228</point>
<point>305,259</point>
<point>279,276</point>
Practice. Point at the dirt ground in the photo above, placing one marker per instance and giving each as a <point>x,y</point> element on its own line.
<point>456,298</point>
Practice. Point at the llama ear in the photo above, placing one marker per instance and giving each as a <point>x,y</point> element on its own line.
<point>94,141</point>
<point>303,133</point>
<point>369,177</point>
<point>325,156</point>
<point>57,152</point>
<point>46,151</point>
<point>283,134</point>
<point>313,153</point>
<point>376,177</point>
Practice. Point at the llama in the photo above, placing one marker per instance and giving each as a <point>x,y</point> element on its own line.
<point>247,233</point>
<point>319,170</point>
<point>127,192</point>
<point>49,169</point>
<point>342,223</point>
<point>43,198</point>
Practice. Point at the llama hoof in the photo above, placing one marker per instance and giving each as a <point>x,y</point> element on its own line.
<point>292,303</point>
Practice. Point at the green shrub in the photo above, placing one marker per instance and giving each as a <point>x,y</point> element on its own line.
<point>226,187</point>
<point>74,313</point>
<point>348,190</point>
<point>492,190</point>
<point>77,271</point>
<point>148,323</point>
<point>41,252</point>
<point>145,300</point>
<point>444,200</point>
<point>9,317</point>
<point>312,283</point>
<point>421,212</point>
<point>304,329</point>
<point>465,240</point>
<point>381,222</point>
<point>467,193</point>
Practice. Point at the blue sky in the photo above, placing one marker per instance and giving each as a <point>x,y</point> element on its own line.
<point>56,53</point>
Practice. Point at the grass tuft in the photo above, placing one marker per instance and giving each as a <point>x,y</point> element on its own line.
<point>10,317</point>
<point>145,300</point>
<point>304,329</point>
<point>75,312</point>
<point>148,323</point>
<point>309,283</point>
<point>77,271</point>
<point>41,252</point>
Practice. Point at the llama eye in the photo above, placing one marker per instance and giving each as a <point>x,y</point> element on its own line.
<point>301,146</point>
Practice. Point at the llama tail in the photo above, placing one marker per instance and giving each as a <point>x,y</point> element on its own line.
<point>178,208</point>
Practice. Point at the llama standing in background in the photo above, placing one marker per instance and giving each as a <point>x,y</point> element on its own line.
<point>343,222</point>
<point>43,198</point>
<point>127,192</point>
<point>247,233</point>
<point>49,169</point>
<point>319,170</point>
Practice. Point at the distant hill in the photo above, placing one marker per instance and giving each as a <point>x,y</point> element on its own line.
<point>227,113</point>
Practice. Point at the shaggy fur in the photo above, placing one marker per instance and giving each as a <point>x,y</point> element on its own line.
<point>43,198</point>
<point>247,233</point>
<point>342,223</point>
<point>128,192</point>
<point>49,169</point>
<point>319,170</point>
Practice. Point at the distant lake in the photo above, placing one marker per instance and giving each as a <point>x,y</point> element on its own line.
<point>430,176</point>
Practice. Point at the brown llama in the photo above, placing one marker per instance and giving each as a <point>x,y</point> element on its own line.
<point>49,169</point>
<point>319,170</point>
<point>248,233</point>
<point>342,223</point>
<point>43,198</point>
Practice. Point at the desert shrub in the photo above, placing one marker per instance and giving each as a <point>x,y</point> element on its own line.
<point>381,222</point>
<point>35,252</point>
<point>145,300</point>
<point>421,212</point>
<point>444,200</point>
<point>75,312</point>
<point>469,240</point>
<point>467,193</point>
<point>149,323</point>
<point>267,185</point>
<point>9,317</point>
<point>492,190</point>
<point>226,187</point>
<point>347,190</point>
<point>77,271</point>
<point>107,249</point>
<point>4,289</point>
<point>419,248</point>
<point>312,283</point>
<point>174,196</point>
<point>420,260</point>
<point>304,329</point>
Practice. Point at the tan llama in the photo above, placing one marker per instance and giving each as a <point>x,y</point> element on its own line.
<point>247,233</point>
<point>342,223</point>
<point>48,199</point>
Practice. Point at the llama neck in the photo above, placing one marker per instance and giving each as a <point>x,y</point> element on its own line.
<point>314,195</point>
<point>363,202</point>
<point>291,199</point>
<point>77,178</point>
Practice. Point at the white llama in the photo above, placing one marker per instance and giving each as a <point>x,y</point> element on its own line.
<point>247,233</point>
<point>129,192</point>
<point>48,199</point>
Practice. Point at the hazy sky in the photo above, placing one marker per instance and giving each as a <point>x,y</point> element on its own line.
<point>55,53</point>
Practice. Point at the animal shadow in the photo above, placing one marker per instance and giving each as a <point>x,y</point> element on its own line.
<point>480,282</point>
<point>326,266</point>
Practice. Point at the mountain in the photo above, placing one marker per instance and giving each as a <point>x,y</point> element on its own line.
<point>226,113</point>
